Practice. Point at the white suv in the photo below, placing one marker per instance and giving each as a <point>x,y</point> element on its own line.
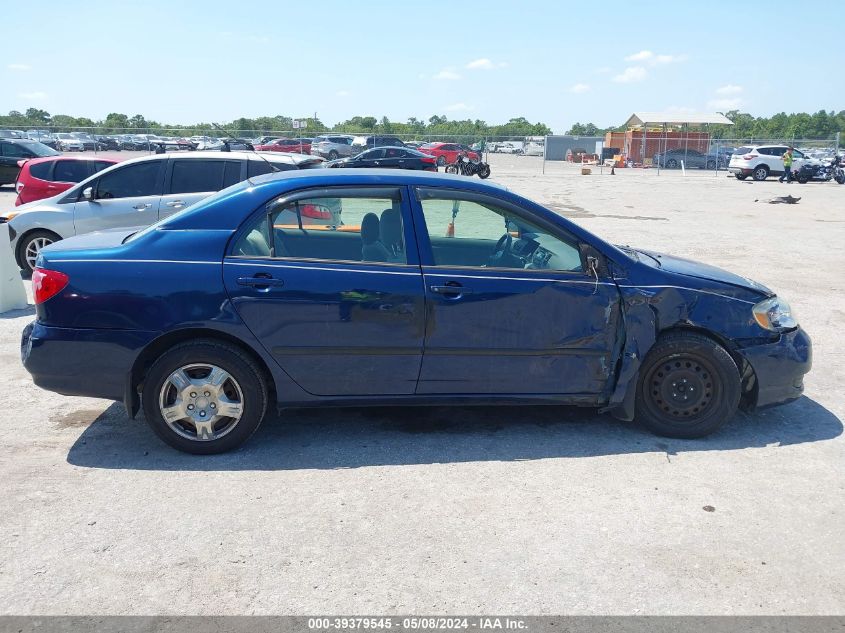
<point>762,161</point>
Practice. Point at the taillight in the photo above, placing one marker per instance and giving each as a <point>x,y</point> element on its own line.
<point>22,162</point>
<point>315,212</point>
<point>428,159</point>
<point>47,284</point>
<point>18,186</point>
<point>749,157</point>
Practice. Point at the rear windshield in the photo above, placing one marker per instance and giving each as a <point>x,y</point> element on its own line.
<point>39,149</point>
<point>41,170</point>
<point>742,150</point>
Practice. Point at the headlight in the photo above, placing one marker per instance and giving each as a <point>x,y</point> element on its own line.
<point>775,315</point>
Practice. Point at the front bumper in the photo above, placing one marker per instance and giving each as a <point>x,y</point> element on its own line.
<point>779,367</point>
<point>81,362</point>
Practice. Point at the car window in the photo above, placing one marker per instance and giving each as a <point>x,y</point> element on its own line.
<point>797,154</point>
<point>231,173</point>
<point>194,176</point>
<point>99,165</point>
<point>70,171</point>
<point>132,181</point>
<point>374,154</point>
<point>393,153</point>
<point>41,170</point>
<point>14,150</point>
<point>258,167</point>
<point>358,228</point>
<point>483,235</point>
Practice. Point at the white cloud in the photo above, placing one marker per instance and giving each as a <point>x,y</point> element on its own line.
<point>579,89</point>
<point>447,73</point>
<point>725,104</point>
<point>484,63</point>
<point>458,107</point>
<point>653,59</point>
<point>19,67</point>
<point>632,74</point>
<point>343,93</point>
<point>639,57</point>
<point>32,96</point>
<point>729,89</point>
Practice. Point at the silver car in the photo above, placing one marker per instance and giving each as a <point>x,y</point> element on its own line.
<point>136,193</point>
<point>67,142</point>
<point>333,146</point>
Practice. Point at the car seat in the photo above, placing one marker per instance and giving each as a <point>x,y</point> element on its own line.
<point>390,234</point>
<point>372,250</point>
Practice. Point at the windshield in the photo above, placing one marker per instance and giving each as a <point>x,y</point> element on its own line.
<point>39,149</point>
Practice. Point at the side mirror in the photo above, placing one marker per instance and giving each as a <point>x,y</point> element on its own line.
<point>88,193</point>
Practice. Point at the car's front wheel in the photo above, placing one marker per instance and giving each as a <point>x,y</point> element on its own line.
<point>204,397</point>
<point>333,155</point>
<point>740,176</point>
<point>689,386</point>
<point>30,246</point>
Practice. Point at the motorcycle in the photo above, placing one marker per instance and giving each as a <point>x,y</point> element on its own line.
<point>821,171</point>
<point>465,166</point>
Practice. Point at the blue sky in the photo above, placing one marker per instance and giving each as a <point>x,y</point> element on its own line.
<point>555,62</point>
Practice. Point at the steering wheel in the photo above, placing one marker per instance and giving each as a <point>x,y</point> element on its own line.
<point>502,255</point>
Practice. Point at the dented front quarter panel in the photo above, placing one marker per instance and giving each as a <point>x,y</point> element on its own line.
<point>655,300</point>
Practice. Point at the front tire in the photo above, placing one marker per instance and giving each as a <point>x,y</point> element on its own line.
<point>672,163</point>
<point>689,386</point>
<point>484,172</point>
<point>740,176</point>
<point>30,246</point>
<point>204,397</point>
<point>333,155</point>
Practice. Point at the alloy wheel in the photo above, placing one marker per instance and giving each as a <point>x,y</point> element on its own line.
<point>33,248</point>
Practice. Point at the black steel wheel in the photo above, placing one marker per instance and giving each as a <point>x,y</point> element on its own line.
<point>689,386</point>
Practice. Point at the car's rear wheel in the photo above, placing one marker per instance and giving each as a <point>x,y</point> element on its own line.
<point>204,397</point>
<point>333,155</point>
<point>689,386</point>
<point>30,246</point>
<point>441,160</point>
<point>711,164</point>
<point>740,176</point>
<point>760,173</point>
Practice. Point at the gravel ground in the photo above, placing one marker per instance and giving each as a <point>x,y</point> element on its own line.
<point>525,510</point>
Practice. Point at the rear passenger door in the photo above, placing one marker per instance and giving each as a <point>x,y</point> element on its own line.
<point>189,180</point>
<point>340,309</point>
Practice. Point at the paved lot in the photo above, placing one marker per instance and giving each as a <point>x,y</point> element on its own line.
<point>448,510</point>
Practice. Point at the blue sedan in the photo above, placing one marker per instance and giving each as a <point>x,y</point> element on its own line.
<point>417,288</point>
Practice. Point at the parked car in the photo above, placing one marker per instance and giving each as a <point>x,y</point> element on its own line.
<point>105,142</point>
<point>42,136</point>
<point>762,161</point>
<point>89,143</point>
<point>333,146</point>
<point>11,134</point>
<point>292,145</point>
<point>447,153</point>
<point>672,159</point>
<point>389,157</point>
<point>66,142</point>
<point>507,148</point>
<point>41,178</point>
<point>13,151</point>
<point>362,143</point>
<point>203,317</point>
<point>136,193</point>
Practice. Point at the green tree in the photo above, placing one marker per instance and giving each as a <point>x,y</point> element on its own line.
<point>37,116</point>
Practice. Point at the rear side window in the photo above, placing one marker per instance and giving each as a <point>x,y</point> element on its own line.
<point>99,165</point>
<point>232,173</point>
<point>740,151</point>
<point>70,171</point>
<point>194,176</point>
<point>41,170</point>
<point>260,167</point>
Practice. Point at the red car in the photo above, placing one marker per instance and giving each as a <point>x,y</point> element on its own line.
<point>295,146</point>
<point>46,177</point>
<point>446,153</point>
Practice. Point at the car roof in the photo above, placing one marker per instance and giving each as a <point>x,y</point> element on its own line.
<point>41,159</point>
<point>273,157</point>
<point>390,177</point>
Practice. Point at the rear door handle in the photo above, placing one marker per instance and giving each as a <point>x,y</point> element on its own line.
<point>141,207</point>
<point>260,282</point>
<point>451,291</point>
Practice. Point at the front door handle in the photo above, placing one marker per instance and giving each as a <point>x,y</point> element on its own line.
<point>260,281</point>
<point>141,207</point>
<point>175,203</point>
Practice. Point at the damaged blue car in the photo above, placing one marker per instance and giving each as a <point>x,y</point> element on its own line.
<point>353,287</point>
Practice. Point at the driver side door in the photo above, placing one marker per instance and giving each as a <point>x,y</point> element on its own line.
<point>512,308</point>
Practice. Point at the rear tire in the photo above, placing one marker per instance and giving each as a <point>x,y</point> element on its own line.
<point>671,163</point>
<point>484,172</point>
<point>451,169</point>
<point>711,164</point>
<point>740,177</point>
<point>243,391</point>
<point>760,173</point>
<point>333,155</point>
<point>689,386</point>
